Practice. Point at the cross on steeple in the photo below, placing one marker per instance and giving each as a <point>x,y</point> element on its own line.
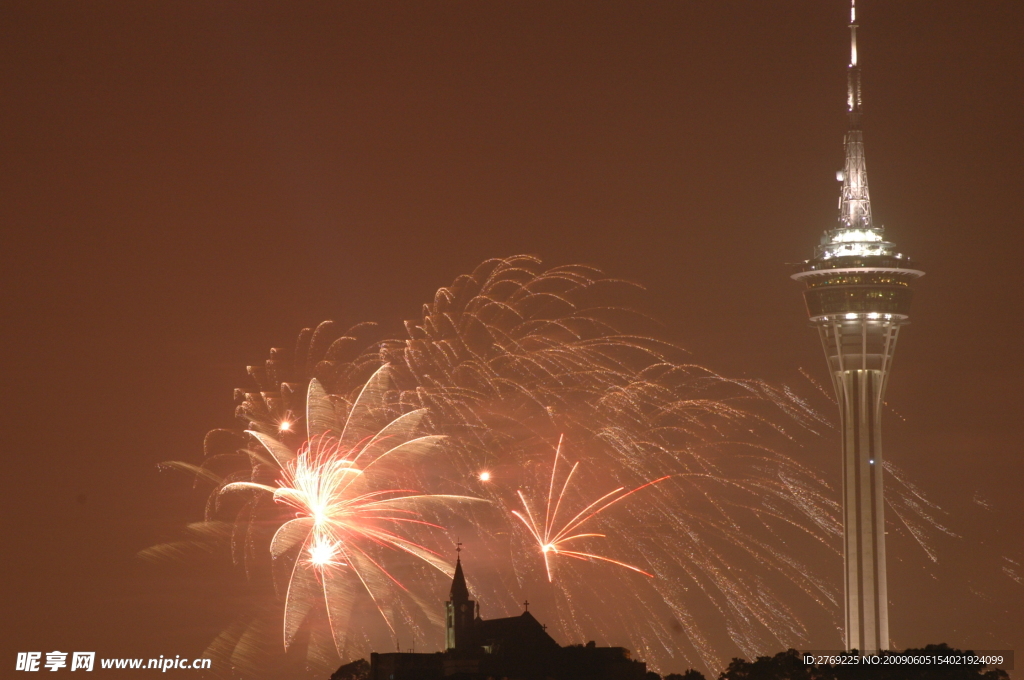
<point>458,545</point>
<point>526,605</point>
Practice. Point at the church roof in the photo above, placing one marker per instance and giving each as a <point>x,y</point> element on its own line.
<point>459,590</point>
<point>523,629</point>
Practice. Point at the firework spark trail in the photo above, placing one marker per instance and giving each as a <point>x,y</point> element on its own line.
<point>500,363</point>
<point>553,537</point>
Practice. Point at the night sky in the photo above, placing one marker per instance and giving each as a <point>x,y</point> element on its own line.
<point>185,185</point>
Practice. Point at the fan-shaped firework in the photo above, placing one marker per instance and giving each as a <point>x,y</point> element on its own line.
<point>339,487</point>
<point>500,364</point>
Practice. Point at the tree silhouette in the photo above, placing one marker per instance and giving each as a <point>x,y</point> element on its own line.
<point>357,670</point>
<point>690,674</point>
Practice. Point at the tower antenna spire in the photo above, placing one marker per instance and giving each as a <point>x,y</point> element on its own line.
<point>853,32</point>
<point>855,201</point>
<point>853,102</point>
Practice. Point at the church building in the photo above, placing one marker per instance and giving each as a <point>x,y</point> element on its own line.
<point>512,648</point>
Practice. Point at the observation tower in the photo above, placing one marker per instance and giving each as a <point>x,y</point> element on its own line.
<point>858,296</point>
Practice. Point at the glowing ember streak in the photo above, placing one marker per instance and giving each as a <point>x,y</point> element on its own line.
<point>552,538</point>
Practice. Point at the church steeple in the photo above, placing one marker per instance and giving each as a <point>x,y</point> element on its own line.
<point>459,591</point>
<point>459,611</point>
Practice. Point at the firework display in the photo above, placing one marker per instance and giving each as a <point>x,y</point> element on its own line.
<point>365,457</point>
<point>337,484</point>
<point>553,538</point>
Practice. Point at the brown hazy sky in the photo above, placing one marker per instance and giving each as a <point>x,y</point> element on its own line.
<point>186,184</point>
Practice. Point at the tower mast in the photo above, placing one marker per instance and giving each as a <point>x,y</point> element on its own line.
<point>854,202</point>
<point>857,290</point>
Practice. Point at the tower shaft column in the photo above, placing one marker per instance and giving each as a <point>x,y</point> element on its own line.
<point>867,609</point>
